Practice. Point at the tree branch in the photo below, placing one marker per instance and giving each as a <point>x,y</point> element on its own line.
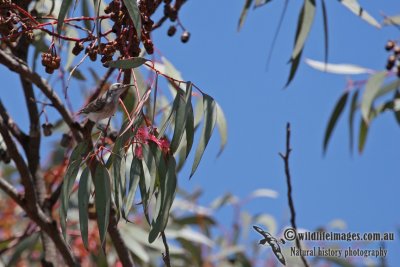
<point>165,256</point>
<point>12,126</point>
<point>289,186</point>
<point>23,169</point>
<point>122,251</point>
<point>19,66</point>
<point>10,190</point>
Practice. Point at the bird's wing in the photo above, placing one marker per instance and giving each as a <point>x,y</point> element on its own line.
<point>278,253</point>
<point>93,106</point>
<point>262,232</point>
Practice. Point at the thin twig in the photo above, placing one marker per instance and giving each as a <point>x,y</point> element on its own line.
<point>166,258</point>
<point>289,185</point>
<point>21,67</point>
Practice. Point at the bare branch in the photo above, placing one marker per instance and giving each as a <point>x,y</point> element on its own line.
<point>289,186</point>
<point>119,244</point>
<point>10,190</point>
<point>19,66</point>
<point>26,176</point>
<point>12,126</point>
<point>166,258</point>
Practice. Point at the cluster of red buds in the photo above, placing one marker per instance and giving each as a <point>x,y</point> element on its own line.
<point>394,58</point>
<point>51,62</point>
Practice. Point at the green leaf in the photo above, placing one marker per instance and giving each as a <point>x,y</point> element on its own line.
<point>243,15</point>
<point>307,13</point>
<point>134,13</point>
<point>65,6</point>
<point>86,13</point>
<point>334,117</point>
<point>362,136</point>
<point>342,69</point>
<point>277,31</point>
<point>25,244</point>
<point>77,74</point>
<point>326,33</point>
<point>260,3</point>
<point>370,93</point>
<point>181,115</point>
<point>129,63</point>
<point>396,111</point>
<point>394,20</point>
<point>189,130</point>
<point>354,7</point>
<point>168,190</point>
<point>69,180</point>
<point>83,204</point>
<point>222,128</point>
<point>293,68</point>
<point>102,199</point>
<point>135,173</point>
<point>388,88</point>
<point>147,184</point>
<point>70,32</point>
<point>175,106</point>
<point>353,108</point>
<point>210,118</point>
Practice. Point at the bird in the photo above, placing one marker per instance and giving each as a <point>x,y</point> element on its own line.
<point>273,242</point>
<point>105,105</point>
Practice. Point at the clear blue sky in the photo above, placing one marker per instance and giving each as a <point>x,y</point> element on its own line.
<point>362,189</point>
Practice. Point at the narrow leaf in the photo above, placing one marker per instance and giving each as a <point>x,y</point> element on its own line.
<point>334,117</point>
<point>353,108</point>
<point>69,180</point>
<point>182,112</point>
<point>83,204</point>
<point>101,181</point>
<point>222,128</point>
<point>347,69</point>
<point>260,3</point>
<point>168,189</point>
<point>326,33</point>
<point>277,31</point>
<point>210,118</point>
<point>293,69</point>
<point>308,14</point>
<point>362,136</point>
<point>354,7</point>
<point>134,13</point>
<point>135,173</point>
<point>189,130</point>
<point>243,15</point>
<point>370,93</point>
<point>65,6</point>
<point>129,63</point>
<point>394,20</point>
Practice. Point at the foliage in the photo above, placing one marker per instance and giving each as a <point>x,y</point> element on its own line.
<point>93,179</point>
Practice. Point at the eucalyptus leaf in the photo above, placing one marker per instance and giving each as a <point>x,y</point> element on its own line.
<point>134,13</point>
<point>308,14</point>
<point>371,91</point>
<point>129,63</point>
<point>83,204</point>
<point>334,117</point>
<point>101,181</point>
<point>210,118</point>
<point>355,7</point>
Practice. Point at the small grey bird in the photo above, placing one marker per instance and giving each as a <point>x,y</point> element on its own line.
<point>105,105</point>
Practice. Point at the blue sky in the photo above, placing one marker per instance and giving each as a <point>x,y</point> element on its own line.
<point>362,189</point>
